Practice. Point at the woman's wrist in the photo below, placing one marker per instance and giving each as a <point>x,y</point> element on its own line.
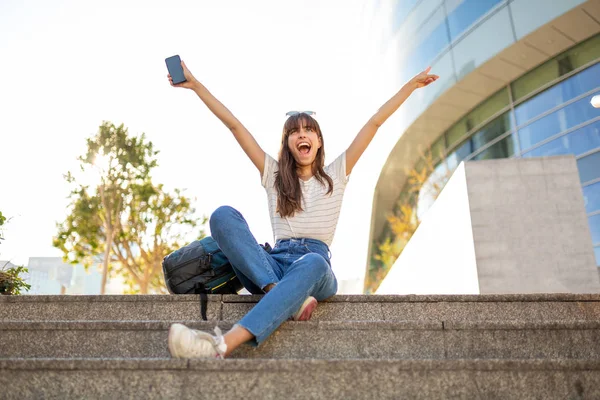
<point>412,85</point>
<point>195,85</point>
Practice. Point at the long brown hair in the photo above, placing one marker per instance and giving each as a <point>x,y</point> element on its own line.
<point>287,184</point>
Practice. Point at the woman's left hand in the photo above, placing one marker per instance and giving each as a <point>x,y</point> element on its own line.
<point>423,79</point>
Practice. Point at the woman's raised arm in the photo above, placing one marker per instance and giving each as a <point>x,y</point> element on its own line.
<point>366,134</point>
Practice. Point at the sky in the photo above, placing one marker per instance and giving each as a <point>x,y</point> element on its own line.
<point>70,65</point>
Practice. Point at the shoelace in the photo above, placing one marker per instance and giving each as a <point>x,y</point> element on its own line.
<point>220,345</point>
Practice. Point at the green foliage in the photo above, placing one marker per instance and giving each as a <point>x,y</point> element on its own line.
<point>2,221</point>
<point>11,282</point>
<point>154,224</point>
<point>126,217</point>
<point>80,236</point>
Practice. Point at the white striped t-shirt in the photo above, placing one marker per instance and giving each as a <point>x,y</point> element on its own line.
<point>321,211</point>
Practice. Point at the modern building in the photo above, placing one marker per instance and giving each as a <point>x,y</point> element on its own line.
<point>51,275</point>
<point>516,80</point>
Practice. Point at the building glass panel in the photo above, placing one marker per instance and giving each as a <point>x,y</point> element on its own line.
<point>503,149</point>
<point>435,39</point>
<point>472,51</point>
<point>594,221</point>
<point>591,196</point>
<point>491,131</point>
<point>403,8</point>
<point>459,154</point>
<point>577,142</point>
<point>589,167</point>
<point>478,115</point>
<point>568,61</point>
<point>574,86</point>
<point>420,16</point>
<point>466,14</point>
<point>438,148</point>
<point>567,117</point>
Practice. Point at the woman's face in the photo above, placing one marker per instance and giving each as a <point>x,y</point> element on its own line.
<point>303,142</point>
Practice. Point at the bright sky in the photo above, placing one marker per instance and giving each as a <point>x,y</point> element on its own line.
<point>69,65</point>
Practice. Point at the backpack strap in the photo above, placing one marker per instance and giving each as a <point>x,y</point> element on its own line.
<point>200,289</point>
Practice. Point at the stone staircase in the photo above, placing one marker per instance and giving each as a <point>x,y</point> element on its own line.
<point>355,347</point>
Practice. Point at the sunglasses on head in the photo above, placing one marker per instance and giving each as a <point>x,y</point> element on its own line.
<point>293,113</point>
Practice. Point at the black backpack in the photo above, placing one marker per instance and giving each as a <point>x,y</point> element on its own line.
<point>201,268</point>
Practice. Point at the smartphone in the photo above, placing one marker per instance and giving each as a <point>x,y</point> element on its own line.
<point>175,69</point>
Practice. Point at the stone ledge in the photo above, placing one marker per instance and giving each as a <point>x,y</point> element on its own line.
<point>293,364</point>
<point>208,326</point>
<point>529,297</point>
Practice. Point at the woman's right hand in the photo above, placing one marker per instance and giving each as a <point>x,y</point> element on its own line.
<point>190,81</point>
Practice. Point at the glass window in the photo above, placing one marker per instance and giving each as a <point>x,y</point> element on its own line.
<point>437,148</point>
<point>419,16</point>
<point>466,13</point>
<point>503,149</point>
<point>430,39</point>
<point>591,196</point>
<point>577,142</point>
<point>557,67</point>
<point>457,131</point>
<point>459,154</point>
<point>567,117</point>
<point>594,221</point>
<point>574,86</point>
<point>430,48</point>
<point>589,167</point>
<point>489,107</point>
<point>478,115</point>
<point>431,188</point>
<point>597,254</point>
<point>491,131</point>
<point>403,8</point>
<point>583,53</point>
<point>471,51</point>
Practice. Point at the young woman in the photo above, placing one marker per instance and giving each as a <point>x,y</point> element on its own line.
<point>304,198</point>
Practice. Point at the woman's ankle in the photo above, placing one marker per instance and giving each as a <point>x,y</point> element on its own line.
<point>235,337</point>
<point>270,286</point>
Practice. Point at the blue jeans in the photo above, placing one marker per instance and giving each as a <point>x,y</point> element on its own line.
<point>299,267</point>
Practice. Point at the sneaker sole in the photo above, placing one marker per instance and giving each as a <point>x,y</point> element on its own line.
<point>306,310</point>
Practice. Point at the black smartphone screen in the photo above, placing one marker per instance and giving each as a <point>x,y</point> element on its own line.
<point>174,68</point>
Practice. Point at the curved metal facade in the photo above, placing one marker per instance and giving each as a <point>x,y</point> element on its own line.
<point>516,81</point>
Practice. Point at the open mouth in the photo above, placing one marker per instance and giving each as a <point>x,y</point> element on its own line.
<point>304,148</point>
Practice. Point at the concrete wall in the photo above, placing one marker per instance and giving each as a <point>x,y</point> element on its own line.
<point>528,233</point>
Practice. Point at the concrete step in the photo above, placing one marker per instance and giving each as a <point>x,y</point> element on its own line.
<point>532,307</point>
<point>299,379</point>
<point>316,339</point>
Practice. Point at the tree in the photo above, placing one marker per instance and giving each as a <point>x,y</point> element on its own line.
<point>10,280</point>
<point>150,229</point>
<point>125,218</point>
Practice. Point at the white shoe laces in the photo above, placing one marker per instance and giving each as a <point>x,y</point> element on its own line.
<point>220,346</point>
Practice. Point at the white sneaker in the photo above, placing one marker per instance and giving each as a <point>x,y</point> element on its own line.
<point>190,343</point>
